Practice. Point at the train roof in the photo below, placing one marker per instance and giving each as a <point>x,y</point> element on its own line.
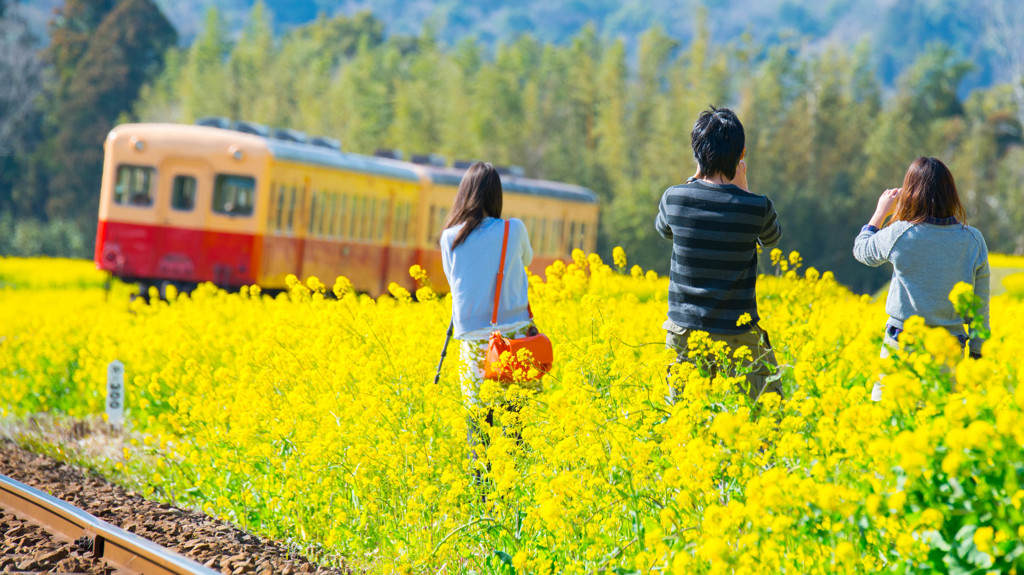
<point>447,176</point>
<point>321,156</point>
<point>516,184</point>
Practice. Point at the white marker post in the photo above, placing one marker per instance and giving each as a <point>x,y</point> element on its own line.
<point>115,393</point>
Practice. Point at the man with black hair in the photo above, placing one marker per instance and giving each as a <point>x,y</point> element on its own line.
<point>716,225</point>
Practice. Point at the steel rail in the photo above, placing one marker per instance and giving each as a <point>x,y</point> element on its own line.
<point>126,552</point>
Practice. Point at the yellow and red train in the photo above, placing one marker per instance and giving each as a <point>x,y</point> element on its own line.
<point>235,205</point>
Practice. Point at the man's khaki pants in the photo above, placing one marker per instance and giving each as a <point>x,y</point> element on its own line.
<point>763,376</point>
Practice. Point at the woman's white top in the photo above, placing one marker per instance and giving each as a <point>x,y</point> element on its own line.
<point>472,269</point>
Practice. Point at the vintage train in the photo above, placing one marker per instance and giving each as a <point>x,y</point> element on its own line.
<point>237,204</point>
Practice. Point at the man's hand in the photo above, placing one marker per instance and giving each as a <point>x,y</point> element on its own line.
<point>741,176</point>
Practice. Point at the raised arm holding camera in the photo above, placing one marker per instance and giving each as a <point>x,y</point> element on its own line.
<point>931,249</point>
<point>716,225</point>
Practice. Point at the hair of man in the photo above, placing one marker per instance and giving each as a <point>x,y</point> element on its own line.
<point>718,142</point>
<point>928,192</point>
<point>479,197</point>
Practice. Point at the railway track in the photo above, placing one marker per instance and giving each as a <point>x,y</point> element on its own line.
<point>124,551</point>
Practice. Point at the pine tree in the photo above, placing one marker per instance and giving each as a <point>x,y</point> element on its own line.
<point>456,74</point>
<point>909,126</point>
<point>417,94</point>
<point>253,90</point>
<point>204,82</point>
<point>160,99</point>
<point>120,55</point>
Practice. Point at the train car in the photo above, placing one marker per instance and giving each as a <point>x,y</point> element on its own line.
<point>559,217</point>
<point>237,204</point>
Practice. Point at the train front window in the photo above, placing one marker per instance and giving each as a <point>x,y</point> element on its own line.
<point>183,193</point>
<point>134,186</point>
<point>234,195</point>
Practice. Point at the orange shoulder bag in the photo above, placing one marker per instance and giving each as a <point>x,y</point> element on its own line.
<point>511,367</point>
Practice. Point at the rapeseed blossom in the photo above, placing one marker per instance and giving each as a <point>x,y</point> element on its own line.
<point>314,419</point>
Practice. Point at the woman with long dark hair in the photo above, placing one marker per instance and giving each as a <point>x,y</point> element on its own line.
<point>931,249</point>
<point>471,246</point>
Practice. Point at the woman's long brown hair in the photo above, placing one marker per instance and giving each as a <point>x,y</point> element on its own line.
<point>479,196</point>
<point>928,192</point>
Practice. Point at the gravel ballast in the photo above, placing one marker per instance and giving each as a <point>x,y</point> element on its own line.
<point>214,543</point>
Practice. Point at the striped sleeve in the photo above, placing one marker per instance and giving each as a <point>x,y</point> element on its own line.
<point>771,233</point>
<point>661,222</point>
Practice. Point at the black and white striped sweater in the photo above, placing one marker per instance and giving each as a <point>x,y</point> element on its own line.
<point>715,230</point>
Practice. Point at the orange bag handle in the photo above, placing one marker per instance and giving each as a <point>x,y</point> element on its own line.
<point>501,275</point>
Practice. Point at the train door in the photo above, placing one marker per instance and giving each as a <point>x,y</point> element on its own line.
<point>185,188</point>
<point>283,244</point>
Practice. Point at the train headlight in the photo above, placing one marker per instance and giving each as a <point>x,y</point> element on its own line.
<point>236,153</point>
<point>138,144</point>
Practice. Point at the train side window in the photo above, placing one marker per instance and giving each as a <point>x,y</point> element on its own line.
<point>316,213</point>
<point>317,210</point>
<point>183,193</point>
<point>358,207</point>
<point>432,225</point>
<point>397,224</point>
<point>234,195</point>
<point>435,230</point>
<point>134,186</point>
<point>321,216</point>
<point>572,236</point>
<point>370,223</point>
<point>289,223</point>
<point>407,231</point>
<point>323,222</point>
<point>542,241</point>
<point>369,208</point>
<point>383,209</point>
<point>312,214</point>
<point>583,236</point>
<point>557,233</point>
<point>357,217</point>
<point>272,207</point>
<point>332,200</point>
<point>442,215</point>
<point>349,204</point>
<point>344,215</point>
<point>400,233</point>
<point>279,220</point>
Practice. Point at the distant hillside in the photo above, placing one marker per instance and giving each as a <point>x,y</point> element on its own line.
<point>898,29</point>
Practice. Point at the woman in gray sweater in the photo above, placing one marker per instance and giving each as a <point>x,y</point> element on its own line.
<point>931,249</point>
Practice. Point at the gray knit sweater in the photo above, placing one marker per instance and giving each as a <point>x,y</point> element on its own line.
<point>928,260</point>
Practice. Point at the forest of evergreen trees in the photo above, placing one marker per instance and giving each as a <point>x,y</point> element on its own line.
<point>824,134</point>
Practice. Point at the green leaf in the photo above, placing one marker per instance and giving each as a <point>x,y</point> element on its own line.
<point>505,557</point>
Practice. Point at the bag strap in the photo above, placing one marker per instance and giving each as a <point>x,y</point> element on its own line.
<point>501,275</point>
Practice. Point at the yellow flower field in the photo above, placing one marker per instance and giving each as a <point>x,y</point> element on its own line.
<point>312,417</point>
